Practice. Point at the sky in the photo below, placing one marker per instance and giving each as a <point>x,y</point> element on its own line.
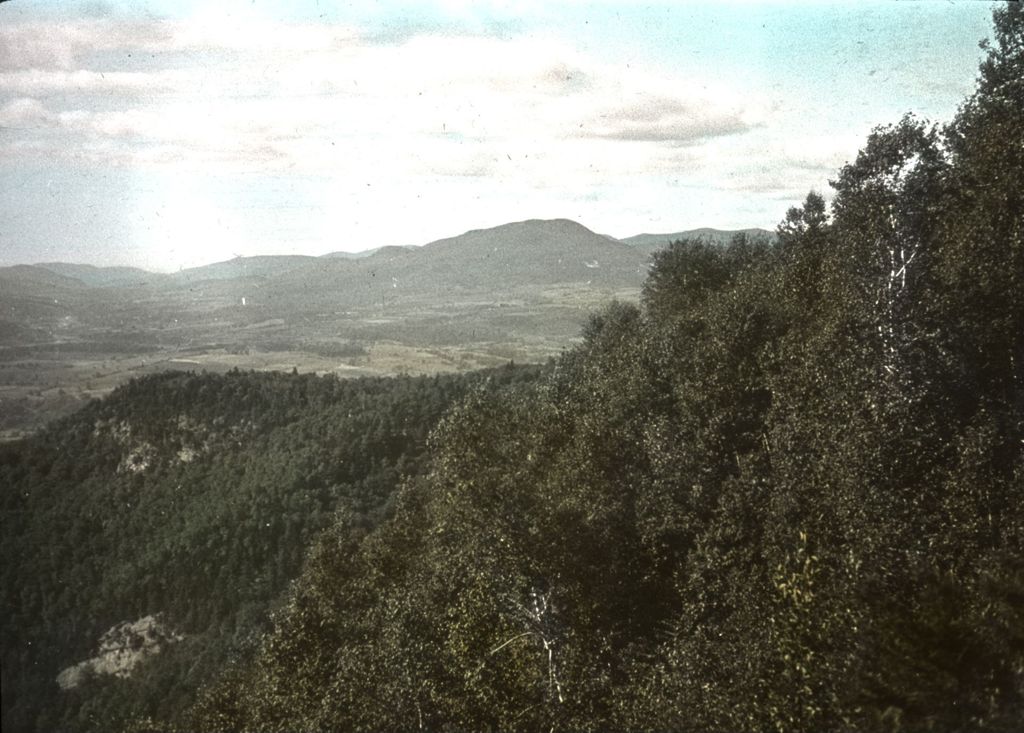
<point>172,133</point>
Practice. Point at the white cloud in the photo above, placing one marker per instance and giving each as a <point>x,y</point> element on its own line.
<point>53,82</point>
<point>215,28</point>
<point>24,112</point>
<point>822,153</point>
<point>63,46</point>
<point>315,98</point>
<point>673,121</point>
<point>512,127</point>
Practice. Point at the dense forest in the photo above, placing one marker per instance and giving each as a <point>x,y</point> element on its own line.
<point>784,493</point>
<point>195,497</point>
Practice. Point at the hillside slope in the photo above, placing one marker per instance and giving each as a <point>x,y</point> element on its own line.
<point>520,258</point>
<point>183,505</point>
<point>784,493</point>
<point>654,242</point>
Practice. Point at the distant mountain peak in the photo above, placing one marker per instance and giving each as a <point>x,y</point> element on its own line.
<point>720,236</point>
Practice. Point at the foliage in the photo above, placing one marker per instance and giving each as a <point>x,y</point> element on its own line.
<point>785,493</point>
<point>195,496</point>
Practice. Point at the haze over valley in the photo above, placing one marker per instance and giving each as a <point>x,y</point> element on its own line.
<point>517,292</point>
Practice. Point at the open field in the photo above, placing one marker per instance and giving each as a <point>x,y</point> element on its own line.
<point>57,360</point>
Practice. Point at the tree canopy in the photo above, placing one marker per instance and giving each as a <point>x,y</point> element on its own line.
<point>784,492</point>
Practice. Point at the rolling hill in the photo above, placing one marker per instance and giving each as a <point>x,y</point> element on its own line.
<point>103,277</point>
<point>651,242</point>
<point>241,267</point>
<point>512,259</point>
<point>503,258</point>
<point>519,291</point>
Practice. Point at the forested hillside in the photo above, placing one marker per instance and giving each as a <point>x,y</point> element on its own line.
<point>786,493</point>
<point>192,498</point>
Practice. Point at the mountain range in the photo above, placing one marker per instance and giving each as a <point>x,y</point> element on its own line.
<point>519,291</point>
<point>527,252</point>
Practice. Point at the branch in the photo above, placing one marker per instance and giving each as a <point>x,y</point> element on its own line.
<point>505,644</point>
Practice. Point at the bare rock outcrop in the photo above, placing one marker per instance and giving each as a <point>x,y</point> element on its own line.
<point>121,649</point>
